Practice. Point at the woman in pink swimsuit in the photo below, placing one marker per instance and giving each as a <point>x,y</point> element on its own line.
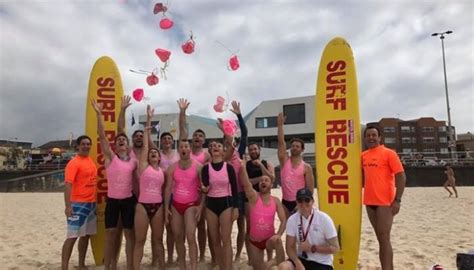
<point>148,211</point>
<point>186,206</point>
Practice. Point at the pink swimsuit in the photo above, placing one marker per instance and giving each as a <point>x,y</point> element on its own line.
<point>186,184</point>
<point>262,218</point>
<point>201,157</point>
<point>292,179</point>
<point>219,185</point>
<point>120,178</point>
<point>151,185</point>
<point>167,161</point>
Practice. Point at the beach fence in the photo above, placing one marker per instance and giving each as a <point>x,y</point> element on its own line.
<point>49,181</point>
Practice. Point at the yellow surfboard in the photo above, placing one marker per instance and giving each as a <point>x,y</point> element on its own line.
<point>338,148</point>
<point>105,86</point>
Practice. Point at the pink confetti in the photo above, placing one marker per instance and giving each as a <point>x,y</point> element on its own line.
<point>229,127</point>
<point>152,79</point>
<point>219,106</point>
<point>188,46</point>
<point>159,7</point>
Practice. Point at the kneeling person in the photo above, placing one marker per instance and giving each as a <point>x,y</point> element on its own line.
<point>311,237</point>
<point>263,207</point>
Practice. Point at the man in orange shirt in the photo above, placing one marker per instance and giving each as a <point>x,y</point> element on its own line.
<point>384,182</point>
<point>80,199</point>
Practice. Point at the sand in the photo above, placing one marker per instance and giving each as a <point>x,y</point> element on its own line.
<point>431,228</point>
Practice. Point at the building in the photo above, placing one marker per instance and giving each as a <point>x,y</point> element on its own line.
<point>465,145</point>
<point>423,135</point>
<point>13,153</point>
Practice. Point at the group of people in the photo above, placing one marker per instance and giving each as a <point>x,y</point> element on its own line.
<point>196,195</point>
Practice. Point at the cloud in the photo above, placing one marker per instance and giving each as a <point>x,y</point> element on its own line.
<point>47,50</point>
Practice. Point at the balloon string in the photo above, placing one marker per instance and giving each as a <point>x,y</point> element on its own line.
<point>139,71</point>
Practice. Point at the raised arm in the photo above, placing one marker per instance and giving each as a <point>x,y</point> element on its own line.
<point>282,156</point>
<point>123,107</point>
<point>228,145</point>
<point>243,128</point>
<point>144,153</point>
<point>104,144</point>
<point>309,176</point>
<point>183,105</point>
<point>248,188</point>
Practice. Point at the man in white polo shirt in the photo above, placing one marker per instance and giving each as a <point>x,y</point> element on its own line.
<point>311,237</point>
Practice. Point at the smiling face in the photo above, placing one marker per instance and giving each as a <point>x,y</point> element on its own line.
<point>166,142</point>
<point>84,147</point>
<point>137,139</point>
<point>372,137</point>
<point>254,151</point>
<point>296,148</point>
<point>305,205</point>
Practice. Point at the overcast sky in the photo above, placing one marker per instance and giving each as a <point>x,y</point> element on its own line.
<point>47,50</point>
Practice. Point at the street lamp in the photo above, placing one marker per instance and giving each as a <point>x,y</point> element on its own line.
<point>452,141</point>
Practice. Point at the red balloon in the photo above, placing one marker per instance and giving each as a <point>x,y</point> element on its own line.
<point>163,54</point>
<point>166,23</point>
<point>152,79</point>
<point>159,7</point>
<point>234,62</point>
<point>138,94</point>
<point>188,47</point>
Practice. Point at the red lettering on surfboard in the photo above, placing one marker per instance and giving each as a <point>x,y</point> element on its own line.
<point>337,168</point>
<point>106,97</point>
<point>336,85</point>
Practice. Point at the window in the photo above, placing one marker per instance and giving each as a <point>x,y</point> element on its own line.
<point>442,129</point>
<point>266,122</point>
<point>428,139</point>
<point>427,129</point>
<point>295,114</point>
<point>444,150</point>
<point>389,130</point>
<point>407,129</point>
<point>429,150</point>
<point>389,140</point>
<point>406,150</point>
<point>443,140</point>
<point>408,140</point>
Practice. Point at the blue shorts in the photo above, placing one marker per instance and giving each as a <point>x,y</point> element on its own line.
<point>83,220</point>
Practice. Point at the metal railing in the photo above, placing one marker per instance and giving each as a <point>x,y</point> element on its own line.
<point>41,182</point>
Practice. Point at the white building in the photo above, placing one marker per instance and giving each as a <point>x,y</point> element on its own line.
<point>261,124</point>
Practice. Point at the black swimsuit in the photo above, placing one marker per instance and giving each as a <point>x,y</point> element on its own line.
<point>220,204</point>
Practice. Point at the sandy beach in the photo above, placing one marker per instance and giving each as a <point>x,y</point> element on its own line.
<point>431,228</point>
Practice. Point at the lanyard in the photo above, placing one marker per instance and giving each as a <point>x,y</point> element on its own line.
<point>303,234</point>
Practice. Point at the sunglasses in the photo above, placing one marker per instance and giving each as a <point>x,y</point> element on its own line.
<point>306,200</point>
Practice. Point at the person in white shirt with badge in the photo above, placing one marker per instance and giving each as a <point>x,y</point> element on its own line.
<point>311,237</point>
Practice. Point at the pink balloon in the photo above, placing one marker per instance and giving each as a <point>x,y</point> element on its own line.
<point>163,54</point>
<point>166,23</point>
<point>219,106</point>
<point>152,79</point>
<point>234,62</point>
<point>188,46</point>
<point>138,94</point>
<point>229,127</point>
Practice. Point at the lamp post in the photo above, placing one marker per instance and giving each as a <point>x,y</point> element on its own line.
<point>451,141</point>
